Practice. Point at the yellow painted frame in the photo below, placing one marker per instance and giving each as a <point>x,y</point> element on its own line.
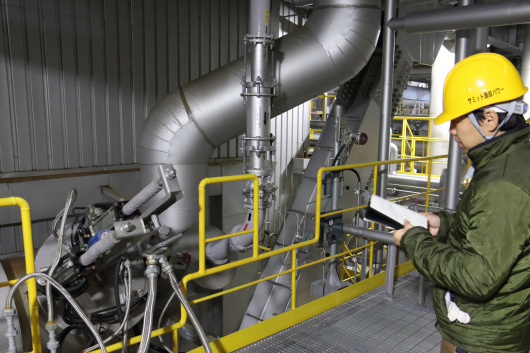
<point>30,267</point>
<point>246,338</point>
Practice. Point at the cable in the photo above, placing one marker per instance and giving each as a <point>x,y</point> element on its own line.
<point>338,154</point>
<point>168,350</point>
<point>66,295</point>
<point>125,318</point>
<point>189,310</point>
<point>127,310</point>
<point>50,325</point>
<point>119,264</point>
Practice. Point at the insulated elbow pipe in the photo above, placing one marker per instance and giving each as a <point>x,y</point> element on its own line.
<point>187,125</point>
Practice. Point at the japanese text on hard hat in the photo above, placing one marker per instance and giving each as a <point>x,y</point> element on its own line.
<point>485,95</point>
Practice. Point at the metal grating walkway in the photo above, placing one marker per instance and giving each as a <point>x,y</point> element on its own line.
<point>369,323</point>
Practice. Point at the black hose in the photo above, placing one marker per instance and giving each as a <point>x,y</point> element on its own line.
<point>337,158</point>
<point>72,318</point>
<point>338,154</point>
<point>356,173</point>
<point>62,335</point>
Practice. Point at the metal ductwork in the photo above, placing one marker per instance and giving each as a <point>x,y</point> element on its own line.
<point>185,127</point>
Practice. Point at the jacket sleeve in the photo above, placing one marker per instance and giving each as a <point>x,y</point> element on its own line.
<point>496,224</point>
<point>446,222</point>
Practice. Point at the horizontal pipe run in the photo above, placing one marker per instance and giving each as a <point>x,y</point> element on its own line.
<point>347,254</point>
<point>369,234</point>
<point>456,18</point>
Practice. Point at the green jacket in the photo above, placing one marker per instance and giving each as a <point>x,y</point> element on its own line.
<point>482,252</point>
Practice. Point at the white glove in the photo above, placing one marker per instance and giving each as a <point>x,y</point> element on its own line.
<point>454,312</point>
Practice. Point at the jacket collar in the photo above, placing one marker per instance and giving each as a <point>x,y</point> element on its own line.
<point>481,154</point>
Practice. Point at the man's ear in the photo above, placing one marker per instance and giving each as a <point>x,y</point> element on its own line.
<point>491,121</point>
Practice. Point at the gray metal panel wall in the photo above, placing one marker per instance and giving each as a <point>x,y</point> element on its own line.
<point>78,78</point>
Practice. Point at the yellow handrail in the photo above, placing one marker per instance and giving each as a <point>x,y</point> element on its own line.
<point>203,271</point>
<point>30,267</point>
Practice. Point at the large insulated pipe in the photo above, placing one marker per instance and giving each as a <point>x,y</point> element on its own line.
<point>184,128</point>
<point>503,13</point>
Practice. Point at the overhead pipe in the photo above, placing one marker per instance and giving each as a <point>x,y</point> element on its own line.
<point>454,162</point>
<point>186,126</point>
<point>496,14</point>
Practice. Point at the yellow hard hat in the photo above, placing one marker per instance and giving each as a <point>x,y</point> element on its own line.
<point>478,81</point>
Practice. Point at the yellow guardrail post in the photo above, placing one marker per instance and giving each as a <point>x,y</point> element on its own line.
<point>293,280</point>
<point>30,267</point>
<point>429,169</point>
<point>203,271</point>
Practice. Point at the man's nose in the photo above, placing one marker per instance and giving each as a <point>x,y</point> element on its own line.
<point>452,128</point>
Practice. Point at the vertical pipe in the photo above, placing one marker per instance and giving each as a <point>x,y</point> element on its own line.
<point>384,131</point>
<point>175,341</point>
<point>386,108</point>
<point>256,218</point>
<point>525,67</point>
<point>454,164</point>
<point>333,249</point>
<point>202,225</point>
<point>390,264</point>
<point>293,281</point>
<point>30,267</point>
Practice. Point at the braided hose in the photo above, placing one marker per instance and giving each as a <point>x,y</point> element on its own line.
<point>66,295</point>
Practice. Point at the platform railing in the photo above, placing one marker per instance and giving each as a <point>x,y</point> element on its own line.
<point>203,271</point>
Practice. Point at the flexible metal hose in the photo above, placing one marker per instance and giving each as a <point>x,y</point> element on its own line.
<point>191,314</point>
<point>69,201</point>
<point>148,313</point>
<point>67,296</point>
<point>168,350</point>
<point>125,316</point>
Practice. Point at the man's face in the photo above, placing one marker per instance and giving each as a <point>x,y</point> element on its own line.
<point>466,135</point>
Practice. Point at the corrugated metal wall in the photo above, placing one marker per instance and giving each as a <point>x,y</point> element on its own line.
<point>78,77</point>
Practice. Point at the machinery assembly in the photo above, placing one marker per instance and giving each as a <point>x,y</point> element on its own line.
<point>251,133</point>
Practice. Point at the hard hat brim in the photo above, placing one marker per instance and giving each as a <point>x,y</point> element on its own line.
<point>445,117</point>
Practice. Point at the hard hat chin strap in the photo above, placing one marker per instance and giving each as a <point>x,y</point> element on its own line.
<point>476,124</point>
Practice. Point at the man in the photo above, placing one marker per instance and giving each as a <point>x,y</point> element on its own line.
<point>479,257</point>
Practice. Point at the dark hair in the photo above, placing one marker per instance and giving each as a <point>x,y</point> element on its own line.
<point>516,121</point>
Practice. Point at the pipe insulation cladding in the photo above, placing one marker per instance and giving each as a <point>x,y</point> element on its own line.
<point>186,126</point>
